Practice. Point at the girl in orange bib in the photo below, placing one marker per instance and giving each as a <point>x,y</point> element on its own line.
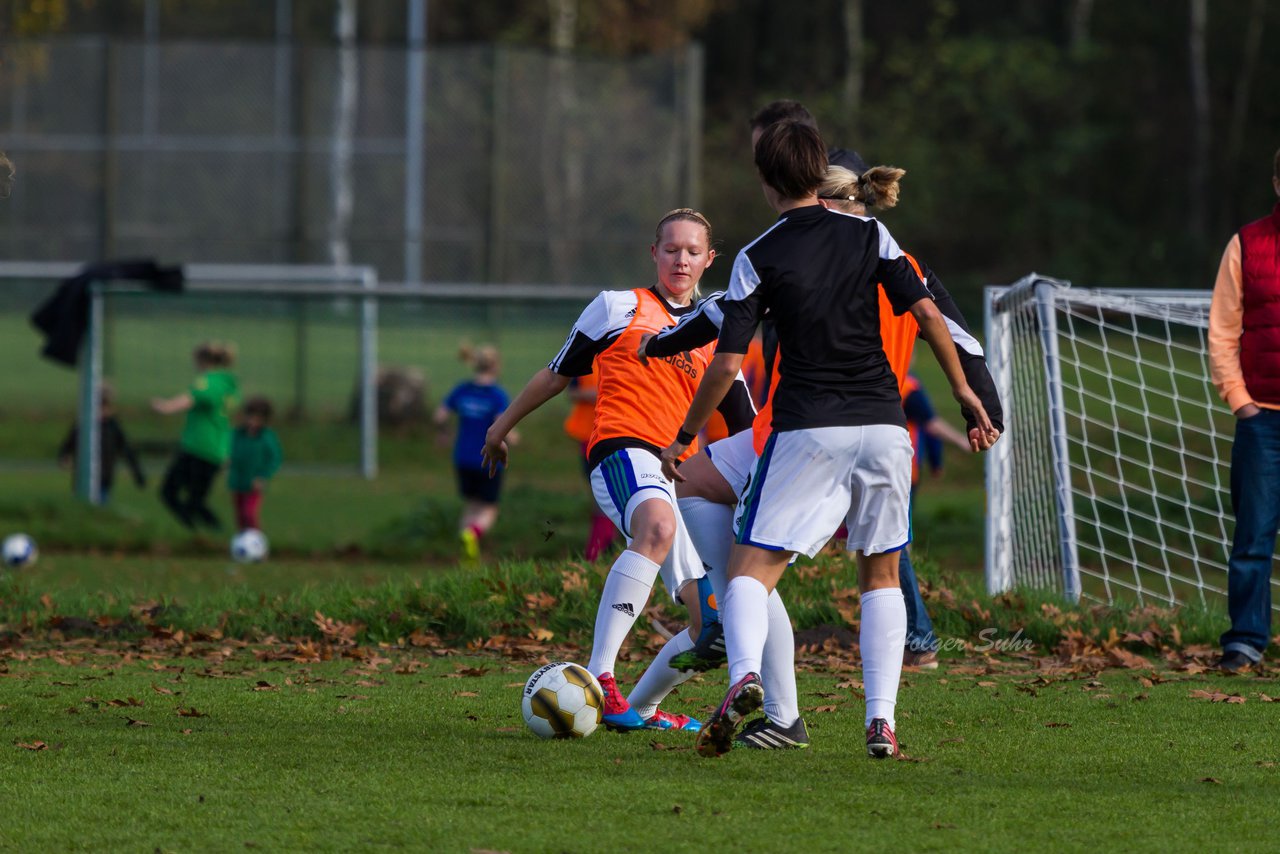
<point>639,405</point>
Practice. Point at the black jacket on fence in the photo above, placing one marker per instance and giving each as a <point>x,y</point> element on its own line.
<point>64,317</point>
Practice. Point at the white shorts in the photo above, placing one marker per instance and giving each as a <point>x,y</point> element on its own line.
<point>734,458</point>
<point>809,481</point>
<point>622,482</point>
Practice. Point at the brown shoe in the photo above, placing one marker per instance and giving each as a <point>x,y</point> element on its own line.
<point>924,660</point>
<point>1235,662</point>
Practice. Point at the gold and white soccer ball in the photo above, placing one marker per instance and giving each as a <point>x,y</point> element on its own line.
<point>562,700</point>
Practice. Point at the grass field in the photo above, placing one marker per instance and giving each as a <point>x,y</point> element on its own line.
<point>224,750</point>
<point>360,689</point>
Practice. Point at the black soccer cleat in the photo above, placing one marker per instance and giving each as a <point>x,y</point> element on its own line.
<point>881,742</point>
<point>744,697</point>
<point>708,652</point>
<point>764,734</point>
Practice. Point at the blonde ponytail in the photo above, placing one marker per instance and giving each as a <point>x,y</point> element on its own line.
<point>875,188</point>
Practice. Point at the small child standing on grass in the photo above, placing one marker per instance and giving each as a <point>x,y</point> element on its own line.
<point>477,403</point>
<point>112,444</point>
<point>206,435</point>
<point>255,458</point>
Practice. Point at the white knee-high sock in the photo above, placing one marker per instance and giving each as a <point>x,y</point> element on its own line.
<point>781,702</point>
<point>626,592</point>
<point>745,616</point>
<point>882,639</point>
<point>710,526</point>
<point>659,680</point>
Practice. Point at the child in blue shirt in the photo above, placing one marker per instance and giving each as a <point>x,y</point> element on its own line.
<point>477,403</point>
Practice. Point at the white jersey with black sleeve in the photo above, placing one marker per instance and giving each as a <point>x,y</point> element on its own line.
<point>599,326</point>
<point>601,322</point>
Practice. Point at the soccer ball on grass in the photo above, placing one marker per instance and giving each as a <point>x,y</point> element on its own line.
<point>249,546</point>
<point>19,551</point>
<point>562,700</point>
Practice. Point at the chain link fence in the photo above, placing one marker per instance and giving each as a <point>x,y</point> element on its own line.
<point>534,168</point>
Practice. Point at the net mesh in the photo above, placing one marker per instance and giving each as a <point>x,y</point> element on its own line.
<point>1147,444</point>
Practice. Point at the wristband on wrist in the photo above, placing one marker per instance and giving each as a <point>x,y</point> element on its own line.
<point>684,437</point>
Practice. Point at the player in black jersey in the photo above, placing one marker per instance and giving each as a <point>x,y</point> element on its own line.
<point>839,450</point>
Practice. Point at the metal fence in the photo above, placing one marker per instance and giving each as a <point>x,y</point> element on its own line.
<point>460,164</point>
<point>334,352</point>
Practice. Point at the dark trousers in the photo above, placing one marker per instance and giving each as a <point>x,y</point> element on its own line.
<point>186,489</point>
<point>920,637</point>
<point>1255,498</point>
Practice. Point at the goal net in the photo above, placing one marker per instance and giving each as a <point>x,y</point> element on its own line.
<point>1113,479</point>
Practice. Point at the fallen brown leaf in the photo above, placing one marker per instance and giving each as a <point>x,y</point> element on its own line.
<point>1210,780</point>
<point>35,745</point>
<point>135,722</point>
<point>191,712</point>
<point>1056,724</point>
<point>1216,696</point>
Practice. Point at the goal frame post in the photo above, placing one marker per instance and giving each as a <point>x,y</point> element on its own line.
<point>1084,373</point>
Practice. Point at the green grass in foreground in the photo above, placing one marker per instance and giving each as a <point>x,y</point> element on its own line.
<point>397,755</point>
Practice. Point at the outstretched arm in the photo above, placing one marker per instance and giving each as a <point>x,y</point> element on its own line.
<point>933,328</point>
<point>173,405</point>
<point>972,358</point>
<point>716,381</point>
<point>543,386</point>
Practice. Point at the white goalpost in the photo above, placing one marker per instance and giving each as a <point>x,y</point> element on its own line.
<point>1113,479</point>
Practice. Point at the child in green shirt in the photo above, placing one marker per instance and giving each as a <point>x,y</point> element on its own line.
<point>255,457</point>
<point>206,435</point>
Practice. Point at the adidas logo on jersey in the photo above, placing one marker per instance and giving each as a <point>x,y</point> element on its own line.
<point>631,313</point>
<point>625,607</point>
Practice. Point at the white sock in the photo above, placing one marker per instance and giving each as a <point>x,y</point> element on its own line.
<point>781,703</point>
<point>882,639</point>
<point>710,526</point>
<point>626,592</point>
<point>745,614</point>
<point>659,680</point>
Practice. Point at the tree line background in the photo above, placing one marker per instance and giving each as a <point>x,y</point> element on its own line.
<point>1110,142</point>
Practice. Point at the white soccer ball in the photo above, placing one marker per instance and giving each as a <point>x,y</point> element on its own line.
<point>249,546</point>
<point>562,700</point>
<point>19,551</point>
